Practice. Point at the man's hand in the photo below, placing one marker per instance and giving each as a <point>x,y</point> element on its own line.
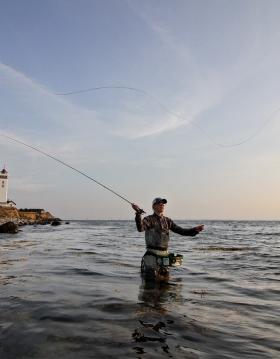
<point>199,228</point>
<point>135,207</point>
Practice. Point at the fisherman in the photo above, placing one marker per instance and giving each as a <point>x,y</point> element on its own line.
<point>157,259</point>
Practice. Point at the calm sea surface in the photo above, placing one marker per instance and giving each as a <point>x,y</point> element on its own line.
<point>75,291</point>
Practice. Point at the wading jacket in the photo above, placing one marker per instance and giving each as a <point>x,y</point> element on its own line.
<point>157,230</point>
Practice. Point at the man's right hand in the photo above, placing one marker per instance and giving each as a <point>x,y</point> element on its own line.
<point>135,207</point>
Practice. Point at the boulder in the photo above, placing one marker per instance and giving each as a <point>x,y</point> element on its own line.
<point>9,227</point>
<point>56,222</point>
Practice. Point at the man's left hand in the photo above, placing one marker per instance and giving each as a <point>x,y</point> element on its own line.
<point>199,228</point>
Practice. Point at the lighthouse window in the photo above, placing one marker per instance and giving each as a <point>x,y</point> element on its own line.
<point>3,183</point>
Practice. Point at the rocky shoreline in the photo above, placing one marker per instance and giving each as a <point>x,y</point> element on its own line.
<point>11,218</point>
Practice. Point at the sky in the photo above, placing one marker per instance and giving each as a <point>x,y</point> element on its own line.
<point>201,127</point>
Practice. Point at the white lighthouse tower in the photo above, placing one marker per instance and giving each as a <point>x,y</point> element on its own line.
<point>3,187</point>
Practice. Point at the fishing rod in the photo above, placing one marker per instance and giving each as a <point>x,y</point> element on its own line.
<point>174,114</point>
<point>72,168</point>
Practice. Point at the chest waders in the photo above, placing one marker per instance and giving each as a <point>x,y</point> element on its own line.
<point>157,262</point>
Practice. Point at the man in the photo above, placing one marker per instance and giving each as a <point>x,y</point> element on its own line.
<point>156,226</point>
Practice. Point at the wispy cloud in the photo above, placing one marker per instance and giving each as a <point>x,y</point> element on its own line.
<point>160,119</point>
<point>204,88</point>
<point>222,87</point>
<point>34,114</point>
<point>41,104</point>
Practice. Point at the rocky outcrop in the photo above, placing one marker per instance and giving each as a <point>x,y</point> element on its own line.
<point>28,216</point>
<point>36,216</point>
<point>25,216</point>
<point>8,214</point>
<point>39,216</point>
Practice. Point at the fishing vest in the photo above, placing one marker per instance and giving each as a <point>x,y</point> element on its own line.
<point>156,231</point>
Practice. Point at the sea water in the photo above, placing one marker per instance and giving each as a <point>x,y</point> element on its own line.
<point>75,291</point>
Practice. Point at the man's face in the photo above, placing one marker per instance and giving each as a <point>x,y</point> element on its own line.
<point>159,208</point>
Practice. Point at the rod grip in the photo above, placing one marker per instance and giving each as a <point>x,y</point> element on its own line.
<point>140,211</point>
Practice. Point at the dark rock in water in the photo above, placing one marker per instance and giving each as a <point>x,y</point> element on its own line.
<point>9,227</point>
<point>56,222</point>
<point>43,222</point>
<point>67,222</point>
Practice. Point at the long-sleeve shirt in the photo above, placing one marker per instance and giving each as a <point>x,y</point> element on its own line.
<point>157,230</point>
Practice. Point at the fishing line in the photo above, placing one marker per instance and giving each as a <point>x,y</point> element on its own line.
<point>167,110</point>
<point>69,166</point>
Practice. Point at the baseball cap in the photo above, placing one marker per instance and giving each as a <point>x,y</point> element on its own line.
<point>159,200</point>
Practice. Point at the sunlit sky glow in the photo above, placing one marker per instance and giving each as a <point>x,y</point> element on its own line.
<point>214,63</point>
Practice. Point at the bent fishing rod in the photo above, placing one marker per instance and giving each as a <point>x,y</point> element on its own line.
<point>71,167</point>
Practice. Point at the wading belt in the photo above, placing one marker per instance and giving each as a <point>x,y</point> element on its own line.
<point>158,251</point>
<point>164,258</point>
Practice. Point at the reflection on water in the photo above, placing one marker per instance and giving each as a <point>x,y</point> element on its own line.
<point>76,292</point>
<point>158,293</point>
<point>152,328</point>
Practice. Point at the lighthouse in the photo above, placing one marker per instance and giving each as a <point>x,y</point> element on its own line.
<point>3,187</point>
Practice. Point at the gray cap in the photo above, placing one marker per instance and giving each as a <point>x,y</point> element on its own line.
<point>159,200</point>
